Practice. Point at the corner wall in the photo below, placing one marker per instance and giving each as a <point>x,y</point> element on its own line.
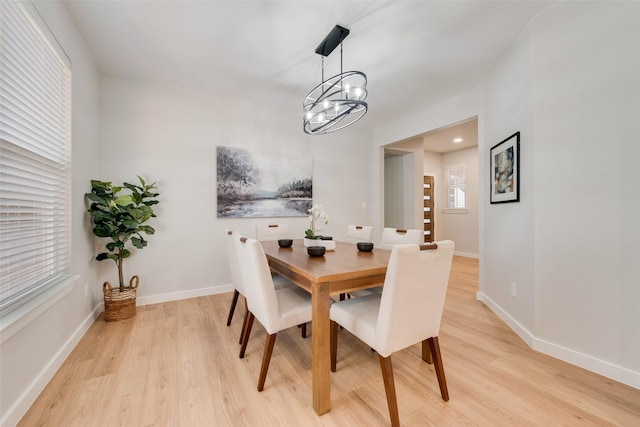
<point>571,85</point>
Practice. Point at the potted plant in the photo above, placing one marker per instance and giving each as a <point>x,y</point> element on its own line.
<point>119,213</point>
<point>311,238</point>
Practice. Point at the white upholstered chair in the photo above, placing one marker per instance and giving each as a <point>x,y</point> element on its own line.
<point>408,311</point>
<point>271,232</point>
<point>236,275</point>
<point>358,233</point>
<point>399,236</point>
<point>391,237</point>
<point>275,309</point>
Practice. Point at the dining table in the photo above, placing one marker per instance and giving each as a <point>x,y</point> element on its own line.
<point>338,271</point>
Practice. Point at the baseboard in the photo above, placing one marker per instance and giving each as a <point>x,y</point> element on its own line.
<point>26,399</point>
<point>519,329</point>
<point>174,296</point>
<point>466,254</point>
<point>590,363</point>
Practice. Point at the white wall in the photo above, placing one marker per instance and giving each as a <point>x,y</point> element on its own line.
<point>571,85</point>
<point>394,189</point>
<point>462,228</point>
<point>170,135</point>
<point>31,356</point>
<point>586,216</point>
<point>509,248</point>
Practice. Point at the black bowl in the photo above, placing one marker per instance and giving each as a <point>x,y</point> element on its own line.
<point>285,243</point>
<point>326,238</point>
<point>316,250</point>
<point>365,246</point>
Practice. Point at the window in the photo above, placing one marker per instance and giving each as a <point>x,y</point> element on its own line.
<point>35,158</point>
<point>456,186</point>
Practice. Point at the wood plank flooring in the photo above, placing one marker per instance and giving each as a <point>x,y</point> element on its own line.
<point>176,364</point>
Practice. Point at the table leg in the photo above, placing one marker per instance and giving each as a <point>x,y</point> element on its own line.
<point>320,339</point>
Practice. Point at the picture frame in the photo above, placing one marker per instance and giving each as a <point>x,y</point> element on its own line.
<point>505,170</point>
<point>262,184</point>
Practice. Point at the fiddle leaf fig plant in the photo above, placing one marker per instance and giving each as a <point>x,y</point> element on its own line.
<point>119,213</point>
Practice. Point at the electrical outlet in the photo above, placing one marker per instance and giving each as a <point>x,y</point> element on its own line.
<point>513,289</point>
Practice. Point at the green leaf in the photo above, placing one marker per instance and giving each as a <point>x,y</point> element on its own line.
<point>104,230</point>
<point>124,200</point>
<point>138,242</point>
<point>114,257</point>
<point>100,216</point>
<point>126,253</point>
<point>147,229</point>
<point>130,223</point>
<point>102,256</point>
<point>141,180</point>
<point>112,246</point>
<point>150,202</point>
<point>95,198</point>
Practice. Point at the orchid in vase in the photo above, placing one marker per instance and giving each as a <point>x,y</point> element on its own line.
<point>317,217</point>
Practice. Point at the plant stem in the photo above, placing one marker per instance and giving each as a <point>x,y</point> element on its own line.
<point>120,275</point>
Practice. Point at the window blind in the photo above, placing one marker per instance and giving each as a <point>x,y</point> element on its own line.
<point>35,157</point>
<point>456,186</point>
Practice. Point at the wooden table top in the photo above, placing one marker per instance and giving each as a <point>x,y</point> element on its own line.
<point>344,264</point>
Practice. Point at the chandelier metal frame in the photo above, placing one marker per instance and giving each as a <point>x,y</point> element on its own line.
<point>338,101</point>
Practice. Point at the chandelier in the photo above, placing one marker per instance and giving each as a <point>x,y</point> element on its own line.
<point>338,101</point>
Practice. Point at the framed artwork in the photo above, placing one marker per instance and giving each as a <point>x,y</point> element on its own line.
<point>505,170</point>
<point>262,184</point>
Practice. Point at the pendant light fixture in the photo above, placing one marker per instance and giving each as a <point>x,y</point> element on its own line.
<point>338,101</point>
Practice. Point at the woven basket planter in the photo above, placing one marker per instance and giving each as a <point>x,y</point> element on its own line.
<point>120,305</point>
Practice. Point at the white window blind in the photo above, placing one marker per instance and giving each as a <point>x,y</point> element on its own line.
<point>35,157</point>
<point>456,186</point>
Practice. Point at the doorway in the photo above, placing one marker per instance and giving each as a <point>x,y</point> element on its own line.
<point>428,193</point>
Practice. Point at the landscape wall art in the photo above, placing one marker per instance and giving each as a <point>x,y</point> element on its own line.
<point>262,184</point>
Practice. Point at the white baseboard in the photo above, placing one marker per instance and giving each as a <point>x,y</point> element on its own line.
<point>175,296</point>
<point>26,399</point>
<point>590,363</point>
<point>466,254</point>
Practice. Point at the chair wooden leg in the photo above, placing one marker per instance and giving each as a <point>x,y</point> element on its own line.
<point>437,361</point>
<point>426,352</point>
<point>234,301</point>
<point>244,326</point>
<point>304,330</point>
<point>266,359</point>
<point>247,332</point>
<point>390,389</point>
<point>334,345</point>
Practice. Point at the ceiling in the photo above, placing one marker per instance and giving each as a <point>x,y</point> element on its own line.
<point>415,53</point>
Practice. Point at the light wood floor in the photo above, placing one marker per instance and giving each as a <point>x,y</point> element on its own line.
<point>176,364</point>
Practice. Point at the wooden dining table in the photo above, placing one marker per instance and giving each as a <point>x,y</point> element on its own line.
<point>339,271</point>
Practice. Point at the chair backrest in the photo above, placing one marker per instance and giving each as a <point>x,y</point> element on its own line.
<point>399,236</point>
<point>269,232</point>
<point>257,282</point>
<point>358,233</point>
<point>232,256</point>
<point>413,295</point>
